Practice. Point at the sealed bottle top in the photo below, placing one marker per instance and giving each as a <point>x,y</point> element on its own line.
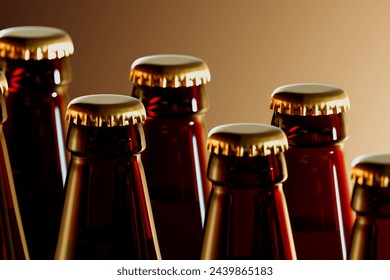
<point>371,178</point>
<point>3,92</point>
<point>115,121</point>
<point>311,114</point>
<point>170,84</point>
<point>309,99</point>
<point>247,216</point>
<point>35,43</point>
<point>246,154</point>
<point>105,110</point>
<point>169,70</point>
<point>246,139</point>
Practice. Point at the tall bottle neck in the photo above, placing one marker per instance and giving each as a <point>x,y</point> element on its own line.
<point>172,102</point>
<point>3,110</point>
<point>311,131</point>
<point>110,142</point>
<point>247,172</point>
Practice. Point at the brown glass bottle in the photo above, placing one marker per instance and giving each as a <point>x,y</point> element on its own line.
<point>107,212</point>
<point>172,88</point>
<point>36,63</point>
<point>247,216</point>
<point>317,189</point>
<point>371,201</point>
<point>12,240</point>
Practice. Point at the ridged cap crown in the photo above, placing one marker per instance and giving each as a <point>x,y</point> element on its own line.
<point>372,170</point>
<point>246,139</point>
<point>309,99</point>
<point>169,71</point>
<point>35,43</point>
<point>105,110</point>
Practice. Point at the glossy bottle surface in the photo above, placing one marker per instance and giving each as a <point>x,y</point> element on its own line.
<point>317,189</point>
<point>175,157</point>
<point>12,240</point>
<point>370,200</point>
<point>35,130</point>
<point>247,216</point>
<point>107,213</point>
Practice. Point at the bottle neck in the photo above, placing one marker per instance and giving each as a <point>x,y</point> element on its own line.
<point>3,109</point>
<point>310,131</point>
<point>371,201</point>
<point>36,75</point>
<point>172,102</point>
<point>111,142</point>
<point>247,172</point>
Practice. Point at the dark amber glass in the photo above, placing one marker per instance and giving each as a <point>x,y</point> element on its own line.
<point>12,240</point>
<point>247,216</point>
<point>371,201</point>
<point>35,132</point>
<point>175,157</point>
<point>107,212</point>
<point>317,189</point>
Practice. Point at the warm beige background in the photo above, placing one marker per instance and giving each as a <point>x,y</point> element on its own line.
<point>251,47</point>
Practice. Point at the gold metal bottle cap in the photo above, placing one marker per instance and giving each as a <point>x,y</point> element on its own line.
<point>105,110</point>
<point>169,71</point>
<point>35,43</point>
<point>372,170</point>
<point>3,93</point>
<point>309,99</point>
<point>246,139</point>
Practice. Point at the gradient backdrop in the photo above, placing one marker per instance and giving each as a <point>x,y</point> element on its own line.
<point>251,47</point>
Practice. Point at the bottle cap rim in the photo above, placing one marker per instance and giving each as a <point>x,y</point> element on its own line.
<point>246,139</point>
<point>105,110</point>
<point>35,43</point>
<point>372,170</point>
<point>309,99</point>
<point>169,71</point>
